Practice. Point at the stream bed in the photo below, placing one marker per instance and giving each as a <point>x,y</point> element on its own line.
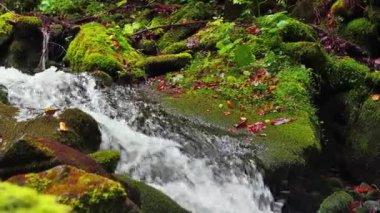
<point>203,169</point>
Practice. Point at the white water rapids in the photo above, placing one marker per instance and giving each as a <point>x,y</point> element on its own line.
<point>203,172</point>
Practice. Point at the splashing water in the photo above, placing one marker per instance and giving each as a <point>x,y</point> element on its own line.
<point>203,172</point>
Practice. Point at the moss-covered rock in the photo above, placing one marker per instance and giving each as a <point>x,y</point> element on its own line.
<point>347,74</point>
<point>85,192</point>
<point>338,202</point>
<point>363,33</point>
<point>99,48</point>
<point>3,94</point>
<point>291,30</point>
<point>102,78</point>
<point>107,158</point>
<point>21,199</point>
<point>196,10</point>
<point>152,200</point>
<point>83,132</point>
<point>158,65</point>
<point>362,150</point>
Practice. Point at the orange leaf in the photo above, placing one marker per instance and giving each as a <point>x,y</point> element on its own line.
<point>229,104</point>
<point>63,127</point>
<point>227,113</point>
<point>375,97</point>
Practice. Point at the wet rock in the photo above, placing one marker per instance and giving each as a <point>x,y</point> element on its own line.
<point>151,199</point>
<point>3,94</point>
<point>83,132</point>
<point>85,192</point>
<point>35,154</point>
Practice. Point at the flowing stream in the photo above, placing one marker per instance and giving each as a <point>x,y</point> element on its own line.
<point>201,168</point>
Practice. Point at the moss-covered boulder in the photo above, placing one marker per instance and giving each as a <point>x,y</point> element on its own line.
<point>99,48</point>
<point>347,74</point>
<point>21,40</point>
<point>159,65</point>
<point>106,158</point>
<point>291,30</point>
<point>82,131</point>
<point>338,202</point>
<point>152,200</point>
<point>363,33</point>
<point>21,199</point>
<point>361,154</point>
<point>85,192</point>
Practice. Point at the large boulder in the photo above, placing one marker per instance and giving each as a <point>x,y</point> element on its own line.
<point>83,132</point>
<point>98,48</point>
<point>85,192</point>
<point>108,159</point>
<point>21,199</point>
<point>35,154</point>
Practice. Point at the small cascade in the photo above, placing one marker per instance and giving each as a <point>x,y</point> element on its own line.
<point>202,170</point>
<point>45,48</point>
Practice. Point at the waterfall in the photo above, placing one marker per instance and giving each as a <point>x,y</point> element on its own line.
<point>204,170</point>
<point>45,48</point>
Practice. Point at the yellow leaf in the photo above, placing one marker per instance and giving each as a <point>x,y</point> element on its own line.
<point>375,97</point>
<point>50,111</point>
<point>63,127</point>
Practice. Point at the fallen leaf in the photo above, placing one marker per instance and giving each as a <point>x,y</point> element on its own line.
<point>375,97</point>
<point>242,123</point>
<point>229,104</point>
<point>256,127</point>
<point>50,111</point>
<point>63,127</point>
<point>279,121</point>
<point>227,113</point>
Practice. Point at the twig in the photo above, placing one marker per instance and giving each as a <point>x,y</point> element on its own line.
<point>170,26</point>
<point>4,7</point>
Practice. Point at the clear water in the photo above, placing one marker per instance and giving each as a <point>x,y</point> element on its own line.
<point>203,170</point>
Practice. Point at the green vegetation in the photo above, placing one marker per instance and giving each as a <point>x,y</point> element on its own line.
<point>338,202</point>
<point>107,158</point>
<point>15,199</point>
<point>85,192</point>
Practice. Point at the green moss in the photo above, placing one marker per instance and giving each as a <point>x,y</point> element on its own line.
<point>152,200</point>
<point>347,74</point>
<point>108,159</point>
<point>174,35</point>
<point>27,22</point>
<point>196,10</point>
<point>339,9</point>
<point>85,192</point>
<point>15,199</point>
<point>362,32</point>
<point>84,126</point>
<point>5,28</point>
<point>83,131</point>
<point>148,46</point>
<point>98,48</point>
<point>291,30</point>
<point>175,48</point>
<point>338,202</point>
<point>362,150</point>
<point>310,54</point>
<point>158,65</point>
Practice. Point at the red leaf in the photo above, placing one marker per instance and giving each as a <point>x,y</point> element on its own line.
<point>256,127</point>
<point>243,123</point>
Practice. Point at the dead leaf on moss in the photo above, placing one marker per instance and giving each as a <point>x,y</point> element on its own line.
<point>375,97</point>
<point>50,111</point>
<point>63,127</point>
